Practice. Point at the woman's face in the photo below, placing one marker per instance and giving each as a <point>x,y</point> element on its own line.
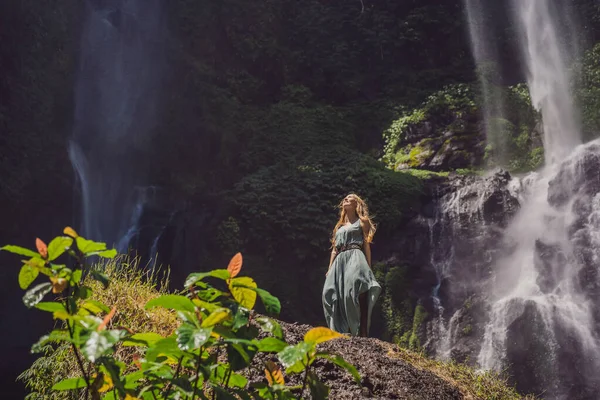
<point>349,203</point>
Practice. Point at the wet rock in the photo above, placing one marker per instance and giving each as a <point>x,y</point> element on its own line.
<point>451,245</point>
<point>577,176</point>
<point>550,262</point>
<point>529,353</point>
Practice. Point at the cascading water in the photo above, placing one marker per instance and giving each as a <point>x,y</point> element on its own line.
<point>549,79</point>
<point>116,102</point>
<point>543,322</point>
<point>485,53</point>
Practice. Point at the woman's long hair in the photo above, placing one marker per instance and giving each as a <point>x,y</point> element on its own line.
<point>362,211</point>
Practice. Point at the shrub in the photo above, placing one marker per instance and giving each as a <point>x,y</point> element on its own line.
<point>216,338</point>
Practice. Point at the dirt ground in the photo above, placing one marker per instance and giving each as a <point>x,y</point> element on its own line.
<point>383,377</point>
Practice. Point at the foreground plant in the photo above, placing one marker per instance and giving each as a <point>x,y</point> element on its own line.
<point>217,339</point>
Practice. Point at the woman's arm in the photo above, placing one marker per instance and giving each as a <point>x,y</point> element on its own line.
<point>333,254</point>
<point>367,250</point>
<point>366,226</point>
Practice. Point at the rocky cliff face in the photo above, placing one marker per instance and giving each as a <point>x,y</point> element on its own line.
<point>448,251</point>
<point>502,272</point>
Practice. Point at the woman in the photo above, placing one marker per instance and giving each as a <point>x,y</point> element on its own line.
<point>350,288</point>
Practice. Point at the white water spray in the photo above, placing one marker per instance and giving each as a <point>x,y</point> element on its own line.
<point>485,53</point>
<point>548,76</point>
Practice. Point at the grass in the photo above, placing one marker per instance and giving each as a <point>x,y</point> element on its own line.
<point>485,385</point>
<point>132,285</point>
<point>427,174</point>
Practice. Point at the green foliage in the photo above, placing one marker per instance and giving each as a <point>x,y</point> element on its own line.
<point>297,200</point>
<point>588,94</point>
<point>216,319</point>
<point>396,307</point>
<point>511,140</point>
<point>444,107</point>
<point>419,317</point>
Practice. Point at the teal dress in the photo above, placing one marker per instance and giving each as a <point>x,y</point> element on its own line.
<point>348,278</point>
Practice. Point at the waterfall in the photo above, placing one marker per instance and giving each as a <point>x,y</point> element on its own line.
<point>548,76</point>
<point>544,311</point>
<point>116,100</point>
<point>485,53</point>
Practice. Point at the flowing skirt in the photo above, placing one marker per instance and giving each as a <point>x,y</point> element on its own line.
<point>348,278</point>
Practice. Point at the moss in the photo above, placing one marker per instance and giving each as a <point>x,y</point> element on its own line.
<point>447,107</point>
<point>468,304</point>
<point>418,319</point>
<point>426,174</point>
<point>402,156</point>
<point>467,330</point>
<point>486,385</point>
<point>419,155</point>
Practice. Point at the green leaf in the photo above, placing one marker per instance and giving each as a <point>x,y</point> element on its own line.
<point>209,295</point>
<point>100,277</point>
<point>114,369</point>
<point>222,394</point>
<point>203,305</point>
<point>57,335</point>
<point>240,318</point>
<point>100,343</point>
<point>271,303</point>
<point>89,246</point>
<point>22,251</point>
<point>216,317</point>
<point>36,294</point>
<point>76,276</point>
<point>40,265</point>
<point>295,358</point>
<point>132,378</point>
<point>112,253</point>
<point>340,362</point>
<point>318,390</point>
<point>222,274</point>
<point>243,292</point>
<point>51,306</point>
<point>270,326</point>
<point>70,384</point>
<point>321,334</point>
<point>166,347</point>
<point>27,275</point>
<point>142,339</point>
<point>58,246</point>
<point>95,307</point>
<point>240,354</point>
<point>235,380</point>
<point>271,345</point>
<point>171,301</point>
<point>84,292</point>
<point>191,338</point>
<point>242,394</point>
